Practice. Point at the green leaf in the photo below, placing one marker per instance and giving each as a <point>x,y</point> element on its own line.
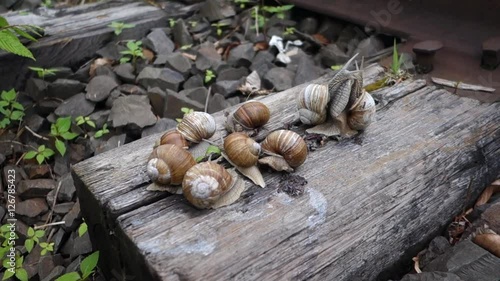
<point>8,274</point>
<point>16,115</point>
<point>5,263</point>
<point>24,34</point>
<point>21,274</point>
<point>39,233</point>
<point>10,43</point>
<point>9,95</point>
<point>98,134</point>
<point>41,148</point>
<point>128,25</point>
<point>30,154</point>
<point>124,59</point>
<point>212,149</point>
<point>61,147</point>
<point>91,123</point>
<point>72,276</point>
<point>3,22</point>
<point>19,261</point>
<point>48,152</point>
<point>29,244</point>
<point>44,252</point>
<point>69,135</point>
<point>82,229</point>
<point>31,232</point>
<point>44,244</point>
<point>79,120</point>
<point>3,103</point>
<point>199,158</point>
<point>40,158</point>
<point>88,264</point>
<point>17,105</point>
<point>53,130</point>
<point>63,124</point>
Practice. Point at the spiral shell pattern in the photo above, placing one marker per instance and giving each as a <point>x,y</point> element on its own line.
<point>196,126</point>
<point>312,103</point>
<point>288,144</point>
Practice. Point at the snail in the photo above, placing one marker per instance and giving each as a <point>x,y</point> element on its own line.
<point>286,148</point>
<point>313,101</point>
<point>243,153</point>
<point>362,112</point>
<point>250,115</point>
<point>196,126</point>
<point>208,185</point>
<point>167,165</point>
<point>173,137</point>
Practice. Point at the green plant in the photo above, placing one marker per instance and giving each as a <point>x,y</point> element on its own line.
<point>185,47</point>
<point>396,60</point>
<point>242,3</point>
<point>102,131</point>
<point>134,51</point>
<point>260,20</point>
<point>42,72</point>
<point>171,22</point>
<point>87,267</point>
<point>47,3</point>
<point>9,40</point>
<point>184,110</point>
<point>15,269</point>
<point>209,75</point>
<point>82,229</point>
<point>118,26</point>
<point>80,120</point>
<point>10,108</point>
<point>193,23</point>
<point>289,31</point>
<point>336,67</point>
<point>33,237</point>
<point>46,247</point>
<point>212,150</point>
<point>61,130</point>
<point>396,74</point>
<point>278,10</point>
<point>42,153</point>
<point>219,26</point>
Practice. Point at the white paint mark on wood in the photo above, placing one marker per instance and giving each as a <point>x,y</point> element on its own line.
<point>319,203</point>
<point>199,247</point>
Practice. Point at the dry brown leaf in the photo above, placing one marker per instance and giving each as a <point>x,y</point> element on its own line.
<point>148,54</point>
<point>490,242</point>
<point>99,62</point>
<point>260,46</point>
<point>487,193</point>
<point>321,39</point>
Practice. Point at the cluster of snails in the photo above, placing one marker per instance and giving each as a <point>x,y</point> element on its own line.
<point>208,184</point>
<point>339,107</point>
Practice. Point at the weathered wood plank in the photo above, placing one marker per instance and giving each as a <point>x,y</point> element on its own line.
<point>73,35</point>
<point>364,205</point>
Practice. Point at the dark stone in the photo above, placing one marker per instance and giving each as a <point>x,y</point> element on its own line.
<point>306,70</point>
<point>308,25</point>
<point>8,148</point>
<point>369,47</point>
<point>241,55</point>
<point>31,207</point>
<point>67,190</point>
<point>215,10</point>
<point>330,28</point>
<point>31,261</point>
<point>491,53</point>
<point>56,272</point>
<point>432,276</point>
<point>132,110</point>
<point>349,38</point>
<point>226,88</point>
<point>115,94</point>
<point>72,219</point>
<point>112,142</point>
<point>125,72</point>
<point>36,88</point>
<point>207,57</point>
<point>35,122</point>
<point>200,26</point>
<point>64,88</point>
<point>232,73</point>
<point>37,171</point>
<point>63,208</point>
<point>60,72</point>
<point>75,106</point>
<point>81,245</point>
<point>332,55</point>
<point>196,94</point>
<point>262,62</point>
<point>164,78</point>
<point>59,238</point>
<point>130,89</point>
<point>77,153</point>
<point>50,197</point>
<point>176,101</point>
<point>181,34</point>
<point>178,62</point>
<point>491,217</point>
<point>45,266</point>
<point>2,160</point>
<point>217,103</point>
<point>437,247</point>
<point>278,78</point>
<point>193,82</point>
<point>163,124</point>
<point>38,188</point>
<point>45,107</point>
<point>158,99</point>
<point>74,265</point>
<point>100,117</point>
<point>111,51</point>
<point>82,74</point>
<point>105,70</point>
<point>61,165</point>
<point>158,42</point>
<point>99,88</point>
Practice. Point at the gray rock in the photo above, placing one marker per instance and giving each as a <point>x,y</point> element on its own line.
<point>241,55</point>
<point>176,101</point>
<point>45,107</point>
<point>64,88</point>
<point>164,78</point>
<point>20,173</point>
<point>164,124</point>
<point>217,103</point>
<point>200,26</point>
<point>196,94</point>
<point>31,261</point>
<point>75,106</point>
<point>50,197</point>
<point>81,245</point>
<point>158,99</point>
<point>38,188</point>
<point>35,122</point>
<point>111,51</point>
<point>38,171</point>
<point>278,78</point>
<point>112,142</point>
<point>207,57</point>
<point>193,82</point>
<point>45,266</point>
<point>306,70</point>
<point>432,276</point>
<point>61,164</point>
<point>59,238</point>
<point>77,152</point>
<point>74,265</point>
<point>226,88</point>
<point>99,88</point>
<point>36,88</point>
<point>437,247</point>
<point>262,62</point>
<point>105,70</point>
<point>125,72</point>
<point>56,272</point>
<point>330,28</point>
<point>308,25</point>
<point>349,37</point>
<point>132,110</point>
<point>2,160</point>
<point>115,94</point>
<point>129,89</point>
<point>181,34</point>
<point>232,73</point>
<point>82,74</point>
<point>31,207</point>
<point>72,219</point>
<point>100,117</point>
<point>178,62</point>
<point>60,72</point>
<point>332,55</point>
<point>63,208</point>
<point>158,42</point>
<point>369,47</point>
<point>67,190</point>
<point>215,10</point>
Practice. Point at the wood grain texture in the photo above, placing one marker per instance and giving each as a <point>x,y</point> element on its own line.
<point>365,204</point>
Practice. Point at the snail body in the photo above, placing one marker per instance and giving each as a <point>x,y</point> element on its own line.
<point>196,126</point>
<point>168,163</point>
<point>286,148</point>
<point>250,115</point>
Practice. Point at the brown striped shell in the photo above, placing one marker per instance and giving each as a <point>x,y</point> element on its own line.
<point>174,137</point>
<point>251,114</point>
<point>288,144</point>
<point>205,183</point>
<point>241,150</point>
<point>168,163</point>
<point>312,103</point>
<point>362,113</point>
<point>196,126</point>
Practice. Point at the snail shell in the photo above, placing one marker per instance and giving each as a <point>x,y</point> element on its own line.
<point>242,150</point>
<point>209,185</point>
<point>174,137</point>
<point>250,115</point>
<point>362,113</point>
<point>168,163</point>
<point>287,149</point>
<point>344,87</point>
<point>196,126</point>
<point>312,103</point>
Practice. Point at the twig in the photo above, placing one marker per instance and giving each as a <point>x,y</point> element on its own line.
<point>49,224</point>
<point>35,134</point>
<point>208,98</point>
<point>54,203</point>
<point>416,265</point>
